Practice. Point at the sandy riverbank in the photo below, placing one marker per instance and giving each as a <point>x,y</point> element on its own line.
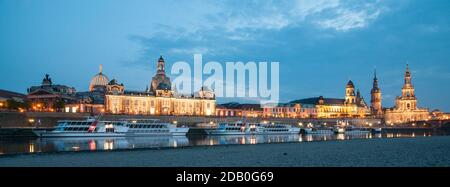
<point>423,151</point>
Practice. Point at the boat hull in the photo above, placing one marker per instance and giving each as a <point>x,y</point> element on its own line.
<point>180,132</point>
<point>320,132</point>
<point>213,132</point>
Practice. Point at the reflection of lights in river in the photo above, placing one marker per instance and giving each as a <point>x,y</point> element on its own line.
<point>252,140</point>
<point>242,141</point>
<point>309,138</point>
<point>92,145</point>
<point>108,145</point>
<point>31,148</point>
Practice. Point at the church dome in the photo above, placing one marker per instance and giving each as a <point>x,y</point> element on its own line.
<point>163,86</point>
<point>98,80</point>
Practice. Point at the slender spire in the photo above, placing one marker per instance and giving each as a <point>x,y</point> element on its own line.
<point>407,77</point>
<point>375,81</point>
<point>407,68</point>
<point>101,68</point>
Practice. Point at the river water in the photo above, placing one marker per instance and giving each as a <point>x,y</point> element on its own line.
<point>39,145</point>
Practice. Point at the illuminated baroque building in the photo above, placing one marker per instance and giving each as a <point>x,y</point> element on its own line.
<point>353,106</point>
<point>406,109</point>
<point>160,99</point>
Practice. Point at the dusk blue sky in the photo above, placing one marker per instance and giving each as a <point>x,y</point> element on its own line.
<point>320,44</point>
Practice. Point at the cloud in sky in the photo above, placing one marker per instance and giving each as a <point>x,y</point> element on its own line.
<point>227,24</point>
<point>231,17</point>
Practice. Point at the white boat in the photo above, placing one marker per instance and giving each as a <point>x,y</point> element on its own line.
<point>356,130</point>
<point>338,130</point>
<point>95,128</point>
<point>241,128</point>
<point>318,131</point>
<point>376,130</point>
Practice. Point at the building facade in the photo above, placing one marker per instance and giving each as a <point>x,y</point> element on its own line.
<point>406,109</point>
<point>49,97</point>
<point>12,100</point>
<point>239,110</point>
<point>290,110</point>
<point>352,106</point>
<point>159,99</point>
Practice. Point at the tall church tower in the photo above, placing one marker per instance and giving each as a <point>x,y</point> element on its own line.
<point>375,101</point>
<point>350,97</point>
<point>408,99</point>
<point>406,109</point>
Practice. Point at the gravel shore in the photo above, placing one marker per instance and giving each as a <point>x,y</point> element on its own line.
<point>391,152</point>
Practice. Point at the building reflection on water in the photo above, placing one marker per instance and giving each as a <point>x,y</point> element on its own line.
<point>11,146</point>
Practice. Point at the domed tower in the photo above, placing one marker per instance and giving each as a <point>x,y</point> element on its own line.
<point>375,101</point>
<point>161,66</point>
<point>160,81</point>
<point>350,97</point>
<point>99,81</point>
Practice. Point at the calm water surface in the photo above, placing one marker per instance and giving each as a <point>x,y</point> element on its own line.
<point>36,145</point>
